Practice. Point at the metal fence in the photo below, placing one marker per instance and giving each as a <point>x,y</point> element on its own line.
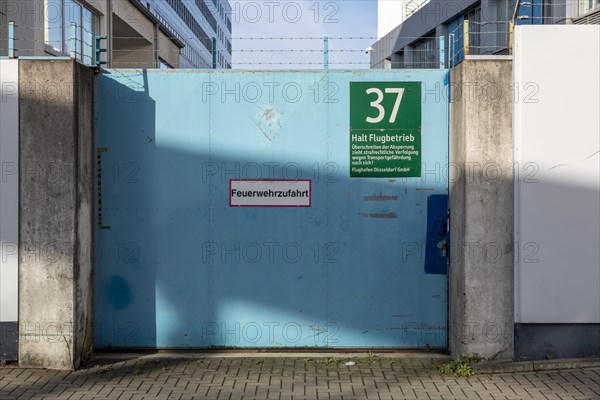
<point>248,52</point>
<point>466,35</point>
<point>75,41</point>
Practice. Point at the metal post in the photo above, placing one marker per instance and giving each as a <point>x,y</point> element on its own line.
<point>442,52</point>
<point>326,52</point>
<point>511,31</point>
<point>100,50</point>
<point>214,52</point>
<point>11,39</point>
<point>73,51</point>
<point>466,37</point>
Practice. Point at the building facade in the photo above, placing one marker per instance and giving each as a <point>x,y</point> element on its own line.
<point>392,13</point>
<point>149,34</point>
<point>198,24</point>
<point>417,41</point>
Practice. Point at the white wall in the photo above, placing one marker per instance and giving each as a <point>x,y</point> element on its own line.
<point>557,196</point>
<point>391,13</point>
<point>9,189</point>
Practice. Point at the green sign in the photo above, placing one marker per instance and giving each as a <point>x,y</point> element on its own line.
<point>385,129</point>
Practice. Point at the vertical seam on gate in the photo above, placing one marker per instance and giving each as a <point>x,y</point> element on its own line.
<point>210,211</point>
<point>448,237</point>
<point>100,150</point>
<point>327,218</point>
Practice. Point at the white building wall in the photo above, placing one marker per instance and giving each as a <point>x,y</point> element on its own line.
<point>557,193</point>
<point>391,13</point>
<point>9,189</point>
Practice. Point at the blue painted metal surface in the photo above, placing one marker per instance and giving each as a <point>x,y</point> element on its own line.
<point>457,41</point>
<point>442,50</point>
<point>179,268</point>
<point>530,13</point>
<point>436,254</point>
<point>11,39</point>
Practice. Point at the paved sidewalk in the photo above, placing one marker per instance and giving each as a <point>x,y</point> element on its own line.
<point>128,377</point>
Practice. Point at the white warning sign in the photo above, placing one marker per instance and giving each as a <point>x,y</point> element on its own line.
<point>269,193</point>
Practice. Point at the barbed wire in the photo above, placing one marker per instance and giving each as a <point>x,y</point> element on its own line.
<point>171,38</point>
<point>426,51</point>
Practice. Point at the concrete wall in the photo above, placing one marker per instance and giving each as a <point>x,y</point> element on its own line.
<point>481,213</point>
<point>133,53</point>
<point>84,259</point>
<point>55,214</point>
<point>134,19</point>
<point>167,50</point>
<point>557,195</point>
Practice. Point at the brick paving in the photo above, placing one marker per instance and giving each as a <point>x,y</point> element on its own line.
<point>381,378</point>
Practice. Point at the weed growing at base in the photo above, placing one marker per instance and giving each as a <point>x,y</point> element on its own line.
<point>460,367</point>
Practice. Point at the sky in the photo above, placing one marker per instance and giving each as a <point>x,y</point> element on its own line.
<point>350,24</point>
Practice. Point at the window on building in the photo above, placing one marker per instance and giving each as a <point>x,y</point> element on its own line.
<point>72,29</point>
<point>53,17</point>
<point>585,6</point>
<point>88,36</point>
<point>548,13</point>
<point>207,14</point>
<point>505,12</point>
<point>69,28</point>
<point>424,52</point>
<point>474,18</point>
<point>162,64</point>
<point>194,26</point>
<point>394,61</point>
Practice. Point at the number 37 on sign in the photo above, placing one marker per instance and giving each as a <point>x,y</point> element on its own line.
<point>385,129</point>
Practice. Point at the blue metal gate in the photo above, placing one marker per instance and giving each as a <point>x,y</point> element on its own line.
<point>180,264</point>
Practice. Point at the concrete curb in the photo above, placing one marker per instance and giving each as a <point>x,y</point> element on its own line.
<point>438,357</point>
<point>500,367</point>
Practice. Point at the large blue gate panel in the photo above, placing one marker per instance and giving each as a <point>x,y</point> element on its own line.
<point>156,210</point>
<point>178,267</point>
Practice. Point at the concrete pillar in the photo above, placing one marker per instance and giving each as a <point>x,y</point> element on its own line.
<point>55,213</point>
<point>481,210</point>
